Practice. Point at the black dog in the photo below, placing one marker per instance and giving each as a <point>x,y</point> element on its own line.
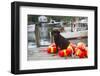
<point>59,40</point>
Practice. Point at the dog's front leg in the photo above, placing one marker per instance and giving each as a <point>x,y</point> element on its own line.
<point>57,48</point>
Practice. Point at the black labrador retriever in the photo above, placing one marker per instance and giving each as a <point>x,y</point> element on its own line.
<point>59,40</point>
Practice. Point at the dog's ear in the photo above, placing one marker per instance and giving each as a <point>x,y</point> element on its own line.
<point>55,32</point>
<point>58,31</point>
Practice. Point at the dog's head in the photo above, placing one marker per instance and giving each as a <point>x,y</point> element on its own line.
<point>55,32</point>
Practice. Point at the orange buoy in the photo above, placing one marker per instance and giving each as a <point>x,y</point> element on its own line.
<point>52,49</point>
<point>69,50</point>
<point>81,45</point>
<point>62,53</point>
<point>66,52</point>
<point>80,53</point>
